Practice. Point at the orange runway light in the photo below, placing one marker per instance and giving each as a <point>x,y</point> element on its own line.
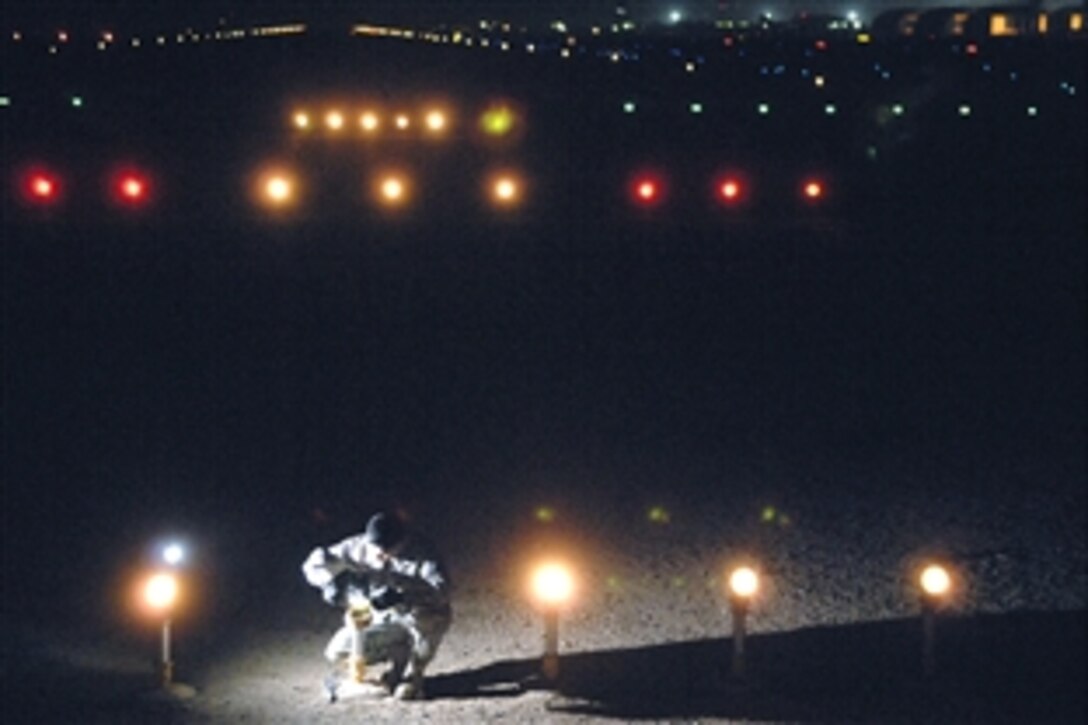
<point>551,586</point>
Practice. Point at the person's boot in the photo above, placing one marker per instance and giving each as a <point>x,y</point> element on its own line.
<point>410,689</point>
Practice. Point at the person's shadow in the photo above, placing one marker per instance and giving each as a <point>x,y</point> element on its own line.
<point>1020,667</point>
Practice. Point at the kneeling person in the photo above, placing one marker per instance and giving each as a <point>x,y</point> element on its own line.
<point>406,586</point>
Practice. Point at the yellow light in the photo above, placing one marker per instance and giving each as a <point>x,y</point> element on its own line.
<point>935,580</point>
<point>161,591</point>
<point>506,189</point>
<point>497,120</point>
<point>393,189</point>
<point>552,585</point>
<point>402,122</point>
<point>744,582</point>
<point>436,121</point>
<point>334,120</point>
<point>302,120</point>
<point>369,121</point>
<point>278,189</point>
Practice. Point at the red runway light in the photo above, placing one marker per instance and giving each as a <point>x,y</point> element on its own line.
<point>731,189</point>
<point>813,190</point>
<point>130,187</point>
<point>648,190</point>
<point>41,186</point>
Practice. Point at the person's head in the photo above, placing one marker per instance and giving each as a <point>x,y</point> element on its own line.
<point>385,531</point>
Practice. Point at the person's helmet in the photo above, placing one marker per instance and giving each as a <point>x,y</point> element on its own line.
<point>385,530</point>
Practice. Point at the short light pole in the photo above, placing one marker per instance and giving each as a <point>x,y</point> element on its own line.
<point>552,587</point>
<point>161,593</point>
<point>936,586</point>
<point>743,585</point>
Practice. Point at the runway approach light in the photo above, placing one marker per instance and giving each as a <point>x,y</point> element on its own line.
<point>497,121</point>
<point>130,188</point>
<point>648,190</point>
<point>743,586</point>
<point>392,190</point>
<point>334,120</point>
<point>435,121</point>
<point>301,120</point>
<point>552,587</point>
<point>813,191</point>
<point>505,190</point>
<point>42,187</point>
<point>935,582</point>
<point>731,190</point>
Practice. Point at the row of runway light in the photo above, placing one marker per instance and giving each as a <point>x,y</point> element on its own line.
<point>552,586</point>
<point>281,190</point>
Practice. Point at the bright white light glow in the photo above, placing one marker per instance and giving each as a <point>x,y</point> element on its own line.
<point>552,584</point>
<point>161,591</point>
<point>935,580</point>
<point>744,582</point>
<point>173,554</point>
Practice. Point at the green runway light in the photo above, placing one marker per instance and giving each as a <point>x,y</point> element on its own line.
<point>497,121</point>
<point>658,515</point>
<point>545,514</point>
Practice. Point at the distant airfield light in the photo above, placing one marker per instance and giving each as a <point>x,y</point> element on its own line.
<point>629,107</point>
<point>675,16</point>
<point>830,109</point>
<point>964,110</point>
<point>5,101</point>
<point>436,121</point>
<point>695,108</point>
<point>498,120</point>
<point>898,109</point>
<point>647,189</point>
<point>41,186</point>
<point>334,120</point>
<point>16,36</point>
<point>819,81</point>
<point>658,515</point>
<point>392,189</point>
<point>77,101</point>
<point>731,189</point>
<point>505,189</point>
<point>369,121</point>
<point>1033,111</point>
<point>62,36</point>
<point>402,122</point>
<point>763,109</point>
<point>301,119</point>
<point>813,190</point>
<point>131,187</point>
<point>277,189</point>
